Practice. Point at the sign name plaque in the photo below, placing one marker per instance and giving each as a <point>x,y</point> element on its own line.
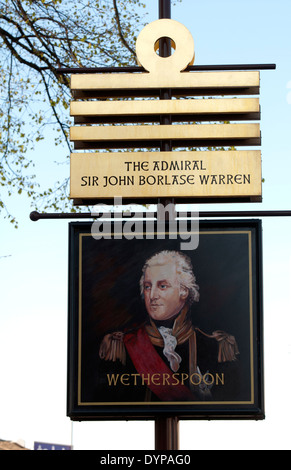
<point>171,174</point>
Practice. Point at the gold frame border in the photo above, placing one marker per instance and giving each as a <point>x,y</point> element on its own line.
<point>251,402</point>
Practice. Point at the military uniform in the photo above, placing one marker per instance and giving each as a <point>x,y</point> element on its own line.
<point>156,363</point>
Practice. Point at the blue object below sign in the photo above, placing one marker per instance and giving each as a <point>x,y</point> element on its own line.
<point>47,446</point>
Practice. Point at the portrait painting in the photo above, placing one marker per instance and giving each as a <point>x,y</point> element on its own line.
<point>155,328</point>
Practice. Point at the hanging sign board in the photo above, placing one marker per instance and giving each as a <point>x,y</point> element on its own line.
<point>157,328</point>
<point>119,114</point>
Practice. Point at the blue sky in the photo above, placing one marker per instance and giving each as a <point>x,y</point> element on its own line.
<point>33,267</point>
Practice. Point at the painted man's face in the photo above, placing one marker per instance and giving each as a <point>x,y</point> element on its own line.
<point>163,297</point>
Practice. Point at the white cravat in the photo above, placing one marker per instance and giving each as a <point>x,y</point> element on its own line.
<point>170,343</point>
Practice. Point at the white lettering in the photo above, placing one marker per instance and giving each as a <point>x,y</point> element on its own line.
<point>179,225</point>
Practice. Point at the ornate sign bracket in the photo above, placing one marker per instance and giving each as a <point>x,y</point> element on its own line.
<point>212,109</point>
<point>185,158</point>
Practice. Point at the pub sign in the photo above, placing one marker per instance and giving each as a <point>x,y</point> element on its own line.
<point>157,327</point>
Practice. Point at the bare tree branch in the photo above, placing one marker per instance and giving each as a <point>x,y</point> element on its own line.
<point>120,29</point>
<point>36,38</point>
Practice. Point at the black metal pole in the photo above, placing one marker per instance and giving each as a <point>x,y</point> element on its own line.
<point>165,51</point>
<point>167,433</point>
<point>35,216</point>
<point>165,94</point>
<point>164,9</point>
<point>166,427</point>
<point>190,68</point>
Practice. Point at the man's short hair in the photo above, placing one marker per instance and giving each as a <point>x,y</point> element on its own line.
<point>184,269</point>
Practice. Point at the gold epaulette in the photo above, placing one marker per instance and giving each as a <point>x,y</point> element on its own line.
<point>112,347</point>
<point>227,345</point>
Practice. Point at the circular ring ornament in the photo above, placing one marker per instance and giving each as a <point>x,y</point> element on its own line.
<point>182,41</point>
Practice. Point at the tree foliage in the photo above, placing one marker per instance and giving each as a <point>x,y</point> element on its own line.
<point>36,38</point>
